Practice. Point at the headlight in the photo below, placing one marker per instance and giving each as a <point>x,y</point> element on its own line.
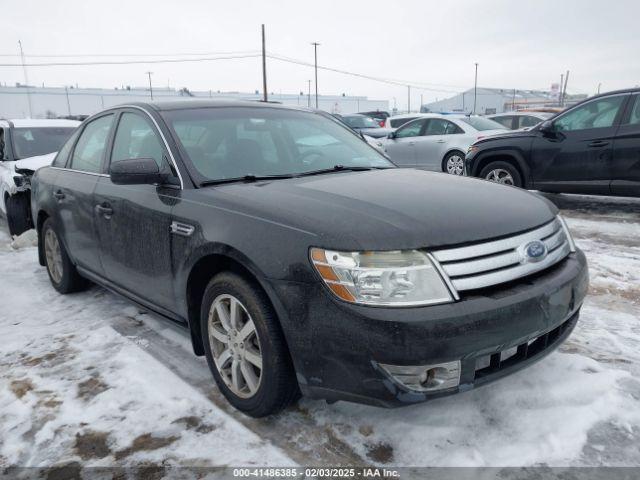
<point>394,278</point>
<point>572,244</point>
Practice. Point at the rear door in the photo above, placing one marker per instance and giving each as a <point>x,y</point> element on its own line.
<point>625,178</point>
<point>401,148</point>
<point>434,142</point>
<point>74,189</point>
<point>577,157</point>
<point>133,221</point>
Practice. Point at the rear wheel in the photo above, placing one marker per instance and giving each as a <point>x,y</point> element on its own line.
<point>18,213</point>
<point>245,348</point>
<point>62,273</point>
<point>454,163</point>
<point>502,172</point>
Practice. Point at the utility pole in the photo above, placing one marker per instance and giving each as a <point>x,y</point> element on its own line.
<point>315,54</point>
<point>26,79</point>
<point>560,90</point>
<point>408,98</point>
<point>150,86</point>
<point>599,85</point>
<point>309,96</point>
<point>475,90</point>
<point>66,91</point>
<point>421,102</point>
<point>564,91</point>
<point>264,68</point>
<point>513,101</point>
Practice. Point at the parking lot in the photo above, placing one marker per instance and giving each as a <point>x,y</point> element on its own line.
<point>89,378</point>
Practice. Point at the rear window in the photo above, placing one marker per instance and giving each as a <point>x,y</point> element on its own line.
<point>360,122</point>
<point>482,124</point>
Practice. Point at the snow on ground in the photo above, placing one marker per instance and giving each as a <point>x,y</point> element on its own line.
<point>89,378</point>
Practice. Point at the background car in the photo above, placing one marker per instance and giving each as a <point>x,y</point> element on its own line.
<point>520,120</point>
<point>592,148</point>
<point>438,142</point>
<point>25,146</point>
<point>366,125</point>
<point>379,116</point>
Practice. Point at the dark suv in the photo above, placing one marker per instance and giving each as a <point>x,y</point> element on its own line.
<point>300,259</point>
<point>591,148</point>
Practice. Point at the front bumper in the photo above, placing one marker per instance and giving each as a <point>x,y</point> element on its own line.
<point>337,348</point>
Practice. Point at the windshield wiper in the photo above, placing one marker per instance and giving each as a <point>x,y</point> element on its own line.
<point>340,168</point>
<point>246,178</point>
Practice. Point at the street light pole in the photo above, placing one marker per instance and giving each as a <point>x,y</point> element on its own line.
<point>315,54</point>
<point>309,96</point>
<point>150,86</point>
<point>475,90</point>
<point>408,98</point>
<point>26,79</point>
<point>264,67</point>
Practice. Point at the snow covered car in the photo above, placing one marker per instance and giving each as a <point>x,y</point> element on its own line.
<point>25,146</point>
<point>301,259</point>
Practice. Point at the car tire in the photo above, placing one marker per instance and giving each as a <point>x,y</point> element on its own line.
<point>18,213</point>
<point>62,272</point>
<point>453,163</point>
<point>502,172</point>
<point>234,344</point>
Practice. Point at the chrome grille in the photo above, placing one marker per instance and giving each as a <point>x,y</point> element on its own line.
<point>490,263</point>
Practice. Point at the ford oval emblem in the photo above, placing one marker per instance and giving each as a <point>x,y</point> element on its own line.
<point>533,251</point>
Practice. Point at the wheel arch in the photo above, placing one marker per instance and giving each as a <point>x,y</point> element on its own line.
<point>513,157</point>
<point>210,261</point>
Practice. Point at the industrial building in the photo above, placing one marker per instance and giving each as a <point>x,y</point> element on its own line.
<point>498,100</point>
<point>50,102</point>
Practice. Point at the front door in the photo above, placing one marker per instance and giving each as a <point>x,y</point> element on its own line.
<point>576,156</point>
<point>133,221</point>
<point>401,148</point>
<point>626,152</point>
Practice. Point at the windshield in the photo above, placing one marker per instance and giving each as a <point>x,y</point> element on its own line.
<point>482,124</point>
<point>361,122</point>
<point>225,143</point>
<point>29,142</point>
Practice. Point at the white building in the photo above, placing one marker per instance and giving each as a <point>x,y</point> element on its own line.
<point>37,102</point>
<point>498,100</point>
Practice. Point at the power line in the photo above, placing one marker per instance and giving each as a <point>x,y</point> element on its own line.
<point>98,55</point>
<point>128,62</point>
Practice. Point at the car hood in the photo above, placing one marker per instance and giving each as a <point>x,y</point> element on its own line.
<point>507,134</point>
<point>387,209</point>
<point>34,163</point>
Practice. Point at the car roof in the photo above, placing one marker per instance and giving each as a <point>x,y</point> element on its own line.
<point>521,114</point>
<point>168,105</point>
<point>40,122</point>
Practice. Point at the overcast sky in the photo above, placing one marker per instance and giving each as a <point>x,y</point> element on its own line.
<point>518,44</point>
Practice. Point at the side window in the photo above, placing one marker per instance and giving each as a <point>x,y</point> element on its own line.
<point>452,129</point>
<point>87,156</point>
<point>528,121</point>
<point>506,121</point>
<point>63,153</point>
<point>410,130</point>
<point>634,117</point>
<point>135,138</point>
<point>398,122</point>
<point>436,126</point>
<point>600,113</point>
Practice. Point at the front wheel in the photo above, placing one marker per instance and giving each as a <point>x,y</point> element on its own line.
<point>502,172</point>
<point>245,348</point>
<point>454,163</point>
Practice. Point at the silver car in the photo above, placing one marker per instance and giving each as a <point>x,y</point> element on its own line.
<point>438,142</point>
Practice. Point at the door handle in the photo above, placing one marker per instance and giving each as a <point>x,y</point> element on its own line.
<point>440,141</point>
<point>598,143</point>
<point>58,194</point>
<point>412,143</point>
<point>105,210</point>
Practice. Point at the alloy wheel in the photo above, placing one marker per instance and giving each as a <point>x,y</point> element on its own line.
<point>235,346</point>
<point>500,175</point>
<point>53,255</point>
<point>455,165</point>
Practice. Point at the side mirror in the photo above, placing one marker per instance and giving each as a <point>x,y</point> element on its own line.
<point>136,171</point>
<point>391,135</point>
<point>547,127</point>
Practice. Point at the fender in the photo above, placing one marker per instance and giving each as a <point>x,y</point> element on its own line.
<point>514,153</point>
